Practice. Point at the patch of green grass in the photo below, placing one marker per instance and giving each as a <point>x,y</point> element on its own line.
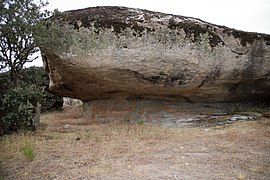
<point>28,152</point>
<point>1,178</point>
<point>140,122</point>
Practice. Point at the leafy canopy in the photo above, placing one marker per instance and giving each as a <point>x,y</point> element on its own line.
<point>19,21</point>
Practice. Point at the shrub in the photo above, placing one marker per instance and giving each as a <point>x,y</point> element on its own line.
<point>19,108</point>
<point>39,77</point>
<point>19,105</point>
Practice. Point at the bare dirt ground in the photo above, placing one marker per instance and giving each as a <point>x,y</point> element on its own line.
<point>132,151</point>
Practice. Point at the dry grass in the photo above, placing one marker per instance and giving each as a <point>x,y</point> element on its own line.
<point>132,151</point>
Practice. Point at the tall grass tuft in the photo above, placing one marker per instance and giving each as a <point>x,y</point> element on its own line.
<point>28,152</point>
<point>140,122</point>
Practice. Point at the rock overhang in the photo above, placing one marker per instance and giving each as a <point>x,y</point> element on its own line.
<point>118,51</point>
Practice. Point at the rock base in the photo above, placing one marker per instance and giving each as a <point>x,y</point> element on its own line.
<point>123,110</point>
<point>166,113</point>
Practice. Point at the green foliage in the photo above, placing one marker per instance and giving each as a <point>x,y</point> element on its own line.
<point>5,82</point>
<point>39,77</point>
<point>28,152</point>
<point>19,20</point>
<point>56,12</point>
<point>18,105</point>
<point>18,108</point>
<point>53,35</point>
<point>21,90</point>
<point>35,75</point>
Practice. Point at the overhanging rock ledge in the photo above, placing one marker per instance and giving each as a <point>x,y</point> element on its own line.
<point>126,53</point>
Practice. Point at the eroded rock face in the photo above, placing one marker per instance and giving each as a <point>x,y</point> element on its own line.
<point>117,52</point>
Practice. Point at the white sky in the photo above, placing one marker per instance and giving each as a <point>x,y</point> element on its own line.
<point>246,15</point>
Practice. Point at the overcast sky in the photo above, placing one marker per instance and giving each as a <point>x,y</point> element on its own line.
<point>247,15</point>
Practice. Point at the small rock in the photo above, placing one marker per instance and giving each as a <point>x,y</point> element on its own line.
<point>238,117</point>
<point>66,126</point>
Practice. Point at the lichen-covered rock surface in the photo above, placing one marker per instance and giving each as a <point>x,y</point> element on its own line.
<point>118,52</point>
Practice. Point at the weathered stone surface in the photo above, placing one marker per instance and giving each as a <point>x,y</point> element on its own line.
<point>112,52</point>
<point>166,113</point>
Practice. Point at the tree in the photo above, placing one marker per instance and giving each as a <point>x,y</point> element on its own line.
<point>19,21</point>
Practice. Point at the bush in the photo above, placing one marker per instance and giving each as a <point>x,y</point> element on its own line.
<point>39,77</point>
<point>19,108</point>
<point>20,105</point>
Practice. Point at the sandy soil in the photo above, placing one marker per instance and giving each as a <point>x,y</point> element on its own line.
<point>132,151</point>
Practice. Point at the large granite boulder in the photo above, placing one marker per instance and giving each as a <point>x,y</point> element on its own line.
<point>118,52</point>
